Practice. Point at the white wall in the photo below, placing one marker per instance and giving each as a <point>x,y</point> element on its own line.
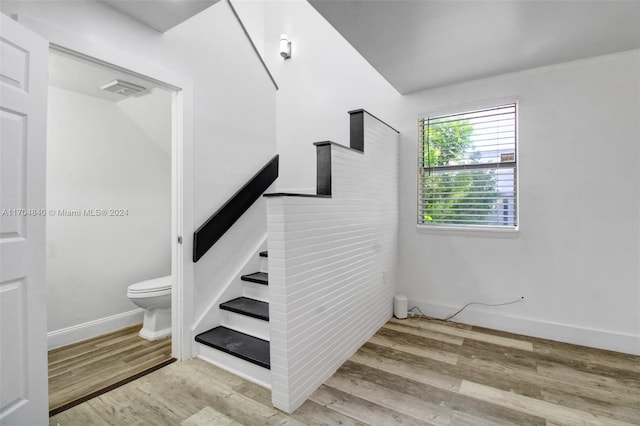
<point>152,114</point>
<point>331,266</point>
<point>325,78</point>
<point>233,107</point>
<point>99,158</point>
<point>251,13</point>
<point>576,256</point>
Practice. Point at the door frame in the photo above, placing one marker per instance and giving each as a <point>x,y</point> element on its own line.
<point>181,86</point>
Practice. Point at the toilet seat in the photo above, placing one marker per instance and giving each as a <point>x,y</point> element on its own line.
<point>153,287</point>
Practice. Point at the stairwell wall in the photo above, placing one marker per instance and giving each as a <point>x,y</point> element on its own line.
<point>331,266</point>
<point>324,78</point>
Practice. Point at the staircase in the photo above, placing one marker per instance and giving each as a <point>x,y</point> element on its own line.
<point>241,343</point>
<point>348,266</point>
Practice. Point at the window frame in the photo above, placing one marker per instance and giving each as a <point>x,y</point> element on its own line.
<point>502,231</point>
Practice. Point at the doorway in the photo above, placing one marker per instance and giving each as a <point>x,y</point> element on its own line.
<point>112,212</point>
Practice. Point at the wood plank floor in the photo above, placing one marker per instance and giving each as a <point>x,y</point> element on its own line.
<point>83,370</point>
<point>412,372</point>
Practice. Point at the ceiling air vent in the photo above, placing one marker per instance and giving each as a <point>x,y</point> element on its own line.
<point>123,88</point>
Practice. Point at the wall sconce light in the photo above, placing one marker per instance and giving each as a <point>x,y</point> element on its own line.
<point>285,46</point>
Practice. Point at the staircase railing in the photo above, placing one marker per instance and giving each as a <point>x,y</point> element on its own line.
<point>210,232</point>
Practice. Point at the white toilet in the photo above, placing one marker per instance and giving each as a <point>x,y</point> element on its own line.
<point>155,297</point>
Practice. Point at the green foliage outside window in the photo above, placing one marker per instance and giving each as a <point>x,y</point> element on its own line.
<point>463,196</point>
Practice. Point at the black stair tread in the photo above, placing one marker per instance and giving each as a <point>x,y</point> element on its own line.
<point>238,344</point>
<point>257,277</point>
<point>264,254</point>
<point>250,307</point>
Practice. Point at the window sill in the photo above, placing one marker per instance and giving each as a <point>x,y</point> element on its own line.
<point>470,231</point>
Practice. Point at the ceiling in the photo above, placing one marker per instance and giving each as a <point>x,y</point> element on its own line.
<point>423,44</point>
<point>150,110</point>
<point>161,15</point>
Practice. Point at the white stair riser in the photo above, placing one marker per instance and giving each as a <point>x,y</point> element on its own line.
<point>245,324</point>
<point>255,291</point>
<point>264,264</point>
<point>245,369</point>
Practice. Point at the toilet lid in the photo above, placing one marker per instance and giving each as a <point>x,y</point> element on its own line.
<point>153,285</point>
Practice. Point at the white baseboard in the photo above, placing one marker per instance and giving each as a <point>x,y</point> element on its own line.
<point>87,330</point>
<point>594,338</point>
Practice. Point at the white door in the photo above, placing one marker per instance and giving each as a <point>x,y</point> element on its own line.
<point>23,338</point>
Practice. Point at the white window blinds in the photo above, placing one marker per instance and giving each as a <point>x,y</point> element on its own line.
<point>467,168</point>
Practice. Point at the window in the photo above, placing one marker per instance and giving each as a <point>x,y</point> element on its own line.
<point>468,169</point>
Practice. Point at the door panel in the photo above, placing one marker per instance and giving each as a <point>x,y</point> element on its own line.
<point>12,185</point>
<point>23,339</point>
<point>15,65</point>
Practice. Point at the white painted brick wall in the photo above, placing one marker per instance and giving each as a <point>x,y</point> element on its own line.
<point>332,266</point>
